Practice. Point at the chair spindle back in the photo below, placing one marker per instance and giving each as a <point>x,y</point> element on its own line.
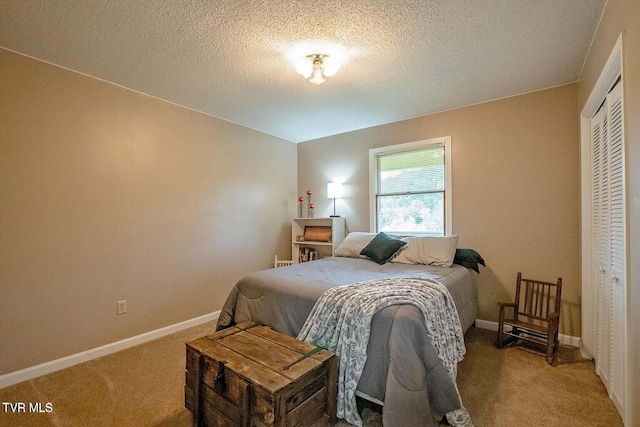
<point>536,299</point>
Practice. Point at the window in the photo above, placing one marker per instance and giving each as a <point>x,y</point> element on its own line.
<point>410,188</point>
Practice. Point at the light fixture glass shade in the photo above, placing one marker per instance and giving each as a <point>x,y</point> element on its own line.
<point>317,77</point>
<point>304,67</point>
<point>334,190</point>
<point>331,66</point>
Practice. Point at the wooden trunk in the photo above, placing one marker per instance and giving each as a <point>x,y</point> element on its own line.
<point>250,375</point>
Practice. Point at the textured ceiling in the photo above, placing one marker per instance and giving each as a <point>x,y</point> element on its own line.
<point>235,59</point>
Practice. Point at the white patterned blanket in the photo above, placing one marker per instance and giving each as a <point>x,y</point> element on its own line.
<point>341,322</point>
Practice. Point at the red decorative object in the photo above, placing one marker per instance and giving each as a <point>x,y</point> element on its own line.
<point>300,200</point>
<point>312,205</point>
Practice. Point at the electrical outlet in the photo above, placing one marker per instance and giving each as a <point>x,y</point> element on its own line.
<point>122,306</point>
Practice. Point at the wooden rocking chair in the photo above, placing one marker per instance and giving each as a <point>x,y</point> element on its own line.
<point>536,315</point>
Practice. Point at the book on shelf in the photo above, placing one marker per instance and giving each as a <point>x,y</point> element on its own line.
<point>306,253</point>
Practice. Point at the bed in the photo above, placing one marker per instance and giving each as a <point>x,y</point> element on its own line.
<point>402,371</point>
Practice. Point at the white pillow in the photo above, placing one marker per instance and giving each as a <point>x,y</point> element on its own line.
<point>353,244</point>
<point>438,251</point>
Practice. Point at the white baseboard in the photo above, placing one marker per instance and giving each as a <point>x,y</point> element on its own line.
<point>74,359</point>
<point>564,339</point>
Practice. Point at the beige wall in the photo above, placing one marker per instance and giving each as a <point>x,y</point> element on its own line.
<point>516,187</point>
<point>623,16</point>
<point>106,194</point>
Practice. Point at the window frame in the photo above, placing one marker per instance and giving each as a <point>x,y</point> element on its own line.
<point>444,141</point>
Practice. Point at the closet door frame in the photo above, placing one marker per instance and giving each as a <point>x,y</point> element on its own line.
<point>589,334</point>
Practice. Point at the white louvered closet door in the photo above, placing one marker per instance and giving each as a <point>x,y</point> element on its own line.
<point>600,219</point>
<point>609,244</point>
<point>618,248</point>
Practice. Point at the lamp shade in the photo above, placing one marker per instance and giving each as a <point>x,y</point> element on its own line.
<point>334,190</point>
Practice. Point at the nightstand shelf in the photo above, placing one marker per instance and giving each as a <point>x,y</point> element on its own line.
<point>301,250</point>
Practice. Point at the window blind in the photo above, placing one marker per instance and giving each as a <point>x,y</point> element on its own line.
<point>411,172</point>
<point>410,191</point>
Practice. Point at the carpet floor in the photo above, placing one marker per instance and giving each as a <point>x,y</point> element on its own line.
<point>143,386</point>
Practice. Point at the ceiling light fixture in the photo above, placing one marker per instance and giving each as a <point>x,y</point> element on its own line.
<point>316,67</point>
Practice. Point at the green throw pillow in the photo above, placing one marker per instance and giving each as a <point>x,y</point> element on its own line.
<point>382,248</point>
<point>468,258</point>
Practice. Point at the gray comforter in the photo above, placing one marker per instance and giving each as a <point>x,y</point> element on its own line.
<point>402,369</point>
